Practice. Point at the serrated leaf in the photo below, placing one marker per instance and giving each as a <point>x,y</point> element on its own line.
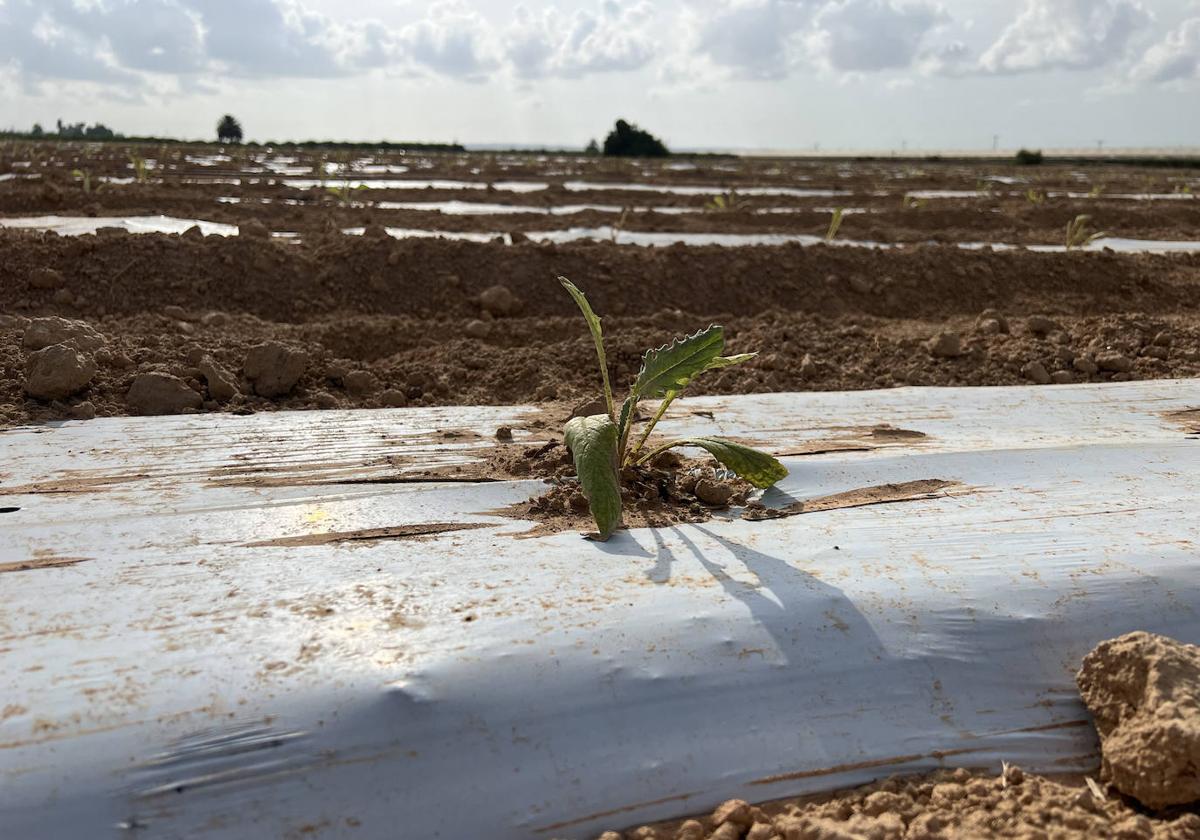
<point>672,366</point>
<point>593,322</point>
<point>729,361</point>
<point>757,467</point>
<point>593,444</point>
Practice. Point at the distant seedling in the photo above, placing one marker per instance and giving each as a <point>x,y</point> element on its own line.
<point>727,202</point>
<point>835,224</point>
<point>139,168</point>
<point>1035,197</point>
<point>1078,235</point>
<point>600,444</point>
<point>911,202</point>
<point>85,179</point>
<point>345,193</point>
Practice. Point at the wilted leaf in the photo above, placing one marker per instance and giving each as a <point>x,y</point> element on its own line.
<point>729,361</point>
<point>593,322</point>
<point>672,366</point>
<point>759,468</point>
<point>593,444</point>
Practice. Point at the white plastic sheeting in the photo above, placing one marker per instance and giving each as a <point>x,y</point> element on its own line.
<point>245,627</point>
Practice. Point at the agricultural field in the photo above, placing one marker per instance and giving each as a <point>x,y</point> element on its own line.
<point>207,280</point>
<point>428,278</point>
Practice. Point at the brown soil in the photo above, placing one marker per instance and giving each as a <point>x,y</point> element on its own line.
<point>947,805</point>
<point>384,323</point>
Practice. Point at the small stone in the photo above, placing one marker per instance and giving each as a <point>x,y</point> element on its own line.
<point>989,326</point>
<point>391,398</point>
<point>161,393</point>
<point>499,301</point>
<point>736,811</point>
<point>504,433</point>
<point>945,345</point>
<point>58,371</point>
<point>274,368</point>
<point>1085,365</point>
<point>215,319</point>
<point>478,329</point>
<point>1036,372</point>
<point>1062,377</point>
<point>988,316</point>
<point>83,411</point>
<point>254,229</point>
<point>44,332</point>
<point>1114,362</point>
<point>175,312</point>
<point>46,278</point>
<point>1041,326</point>
<point>221,383</point>
<point>714,493</point>
<point>360,382</point>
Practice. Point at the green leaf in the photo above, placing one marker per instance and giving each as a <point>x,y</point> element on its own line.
<point>729,361</point>
<point>759,468</point>
<point>593,443</point>
<point>593,322</point>
<point>627,410</point>
<point>672,366</point>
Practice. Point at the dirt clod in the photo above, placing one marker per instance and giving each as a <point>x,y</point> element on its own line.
<point>44,332</point>
<point>946,345</point>
<point>1036,372</point>
<point>1144,692</point>
<point>58,371</point>
<point>499,301</point>
<point>1115,362</point>
<point>161,393</point>
<point>222,386</point>
<point>274,368</point>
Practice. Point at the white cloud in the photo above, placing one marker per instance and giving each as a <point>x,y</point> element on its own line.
<point>749,39</point>
<point>615,38</point>
<point>1176,57</point>
<point>871,35</point>
<point>454,41</point>
<point>1066,35</point>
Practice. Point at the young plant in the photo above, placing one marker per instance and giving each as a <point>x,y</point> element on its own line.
<point>1096,191</point>
<point>600,444</point>
<point>835,224</point>
<point>729,202</point>
<point>139,168</point>
<point>1035,197</point>
<point>614,233</point>
<point>85,177</point>
<point>911,202</point>
<point>1078,235</point>
<point>345,193</point>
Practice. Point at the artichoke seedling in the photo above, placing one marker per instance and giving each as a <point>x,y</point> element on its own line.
<point>600,444</point>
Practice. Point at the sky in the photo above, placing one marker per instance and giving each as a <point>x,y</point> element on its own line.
<point>712,74</point>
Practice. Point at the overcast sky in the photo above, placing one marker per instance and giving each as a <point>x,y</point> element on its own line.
<point>785,74</point>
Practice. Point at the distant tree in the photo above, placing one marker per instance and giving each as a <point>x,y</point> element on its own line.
<point>627,140</point>
<point>37,131</point>
<point>593,148</point>
<point>1028,158</point>
<point>229,130</point>
<point>99,131</point>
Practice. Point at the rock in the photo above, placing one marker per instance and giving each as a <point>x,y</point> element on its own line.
<point>274,368</point>
<point>254,229</point>
<point>1144,692</point>
<point>58,371</point>
<point>46,278</point>
<point>499,301</point>
<point>1036,372</point>
<point>1114,362</point>
<point>736,811</point>
<point>221,383</point>
<point>1085,365</point>
<point>991,317</point>
<point>43,332</point>
<point>161,393</point>
<point>504,433</point>
<point>392,398</point>
<point>713,493</point>
<point>478,329</point>
<point>360,382</point>
<point>945,345</point>
<point>83,411</point>
<point>1062,377</point>
<point>1042,326</point>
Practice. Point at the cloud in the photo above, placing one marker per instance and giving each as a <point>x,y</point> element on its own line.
<point>749,39</point>
<point>871,35</point>
<point>1176,57</point>
<point>454,41</point>
<point>1065,35</point>
<point>612,39</point>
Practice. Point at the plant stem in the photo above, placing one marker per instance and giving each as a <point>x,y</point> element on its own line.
<point>650,426</point>
<point>659,450</point>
